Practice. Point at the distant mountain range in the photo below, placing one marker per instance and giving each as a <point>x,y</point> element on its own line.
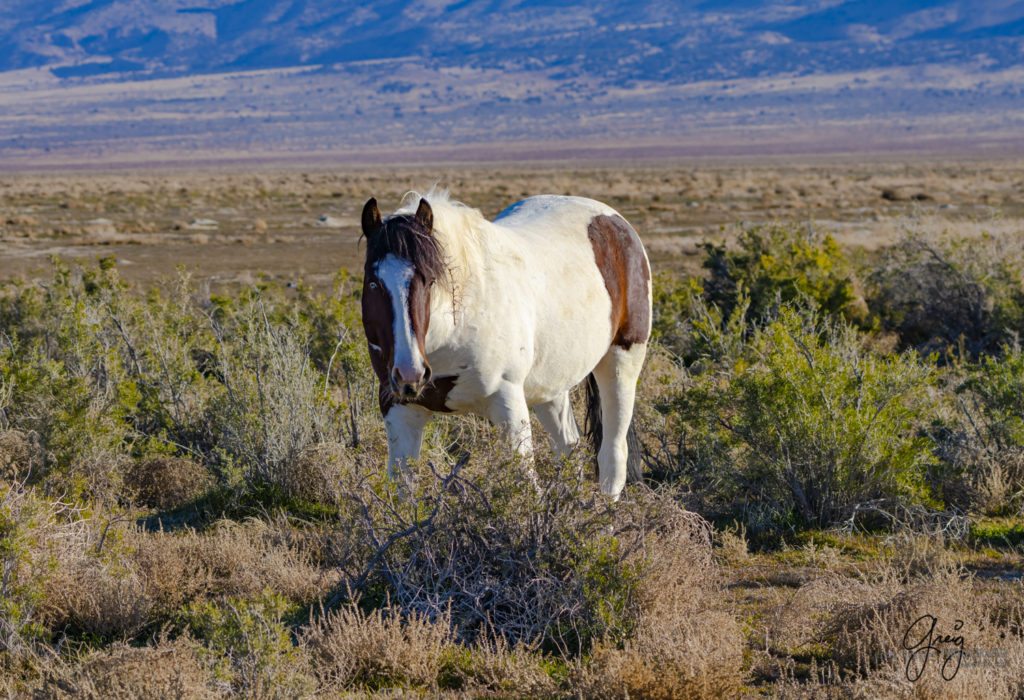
<point>394,72</point>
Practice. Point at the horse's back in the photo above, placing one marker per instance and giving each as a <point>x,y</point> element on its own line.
<point>559,214</point>
<point>591,284</point>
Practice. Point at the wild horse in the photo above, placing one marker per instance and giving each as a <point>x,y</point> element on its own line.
<point>467,315</point>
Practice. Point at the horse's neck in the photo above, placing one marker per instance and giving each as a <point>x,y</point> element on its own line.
<point>474,282</point>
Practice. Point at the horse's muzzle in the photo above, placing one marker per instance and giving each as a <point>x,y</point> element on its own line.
<point>408,384</point>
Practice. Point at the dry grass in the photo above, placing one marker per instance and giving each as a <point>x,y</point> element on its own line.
<point>830,632</point>
<point>165,483</point>
<point>228,560</point>
<point>352,648</point>
<point>20,455</point>
<point>686,644</point>
<point>168,669</point>
<point>868,633</point>
<point>88,596</point>
<point>733,547</point>
<point>493,667</point>
<point>673,206</point>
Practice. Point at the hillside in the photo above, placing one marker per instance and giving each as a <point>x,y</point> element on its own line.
<point>91,79</point>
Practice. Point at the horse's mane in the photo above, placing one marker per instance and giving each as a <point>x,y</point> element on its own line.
<point>459,230</point>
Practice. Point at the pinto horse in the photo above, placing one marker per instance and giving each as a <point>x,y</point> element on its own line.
<point>466,315</point>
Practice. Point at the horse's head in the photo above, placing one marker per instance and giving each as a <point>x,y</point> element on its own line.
<point>403,260</point>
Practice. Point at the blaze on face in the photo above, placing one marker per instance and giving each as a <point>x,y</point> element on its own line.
<point>403,261</point>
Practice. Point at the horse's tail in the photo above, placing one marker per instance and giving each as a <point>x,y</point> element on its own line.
<point>593,432</point>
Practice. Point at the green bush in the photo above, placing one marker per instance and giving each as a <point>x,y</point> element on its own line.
<point>241,385</point>
<point>65,380</point>
<point>956,296</point>
<point>250,644</point>
<point>689,327</point>
<point>981,442</point>
<point>274,404</point>
<point>804,423</point>
<point>998,387</point>
<point>781,264</point>
<point>23,568</point>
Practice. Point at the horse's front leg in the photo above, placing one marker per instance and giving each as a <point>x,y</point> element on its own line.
<point>404,424</point>
<point>508,409</point>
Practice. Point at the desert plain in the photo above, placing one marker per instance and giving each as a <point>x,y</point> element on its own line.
<point>286,223</point>
<point>191,541</point>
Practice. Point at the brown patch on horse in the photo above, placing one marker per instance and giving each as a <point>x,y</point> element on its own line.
<point>418,307</point>
<point>433,397</point>
<point>627,276</point>
<point>378,324</point>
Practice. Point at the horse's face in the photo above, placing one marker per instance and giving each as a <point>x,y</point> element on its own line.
<point>402,263</point>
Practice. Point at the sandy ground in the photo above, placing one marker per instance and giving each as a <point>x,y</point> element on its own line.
<point>288,225</point>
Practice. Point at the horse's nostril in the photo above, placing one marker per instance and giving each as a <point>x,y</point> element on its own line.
<point>426,374</point>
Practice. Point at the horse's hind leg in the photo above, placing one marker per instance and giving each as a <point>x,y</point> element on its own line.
<point>616,376</point>
<point>559,423</point>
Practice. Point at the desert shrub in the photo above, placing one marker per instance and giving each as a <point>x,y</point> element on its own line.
<point>777,263</point>
<point>953,296</point>
<point>685,645</point>
<point>379,649</point>
<point>998,387</point>
<point>20,455</point>
<point>98,599</point>
<point>66,569</point>
<point>274,404</point>
<point>804,424</point>
<point>76,421</point>
<point>976,476</point>
<point>865,626</point>
<point>239,385</point>
<point>229,559</point>
<point>669,439</point>
<point>75,374</point>
<point>981,439</point>
<point>491,666</point>
<point>317,471</point>
<point>166,483</point>
<point>168,669</point>
<point>560,566</point>
<point>250,645</point>
<point>673,300</point>
<point>24,520</point>
<point>333,325</point>
<point>691,329</point>
<point>352,649</point>
<point>169,346</point>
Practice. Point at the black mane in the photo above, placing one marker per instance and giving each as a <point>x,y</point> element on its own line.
<point>406,238</point>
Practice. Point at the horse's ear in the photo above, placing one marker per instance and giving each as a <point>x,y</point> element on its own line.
<point>371,218</point>
<point>425,215</point>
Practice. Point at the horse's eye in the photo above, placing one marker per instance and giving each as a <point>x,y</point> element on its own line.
<point>373,285</point>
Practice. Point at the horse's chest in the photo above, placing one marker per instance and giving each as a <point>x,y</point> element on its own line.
<point>546,357</point>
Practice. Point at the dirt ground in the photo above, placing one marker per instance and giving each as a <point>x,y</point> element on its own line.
<point>288,225</point>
